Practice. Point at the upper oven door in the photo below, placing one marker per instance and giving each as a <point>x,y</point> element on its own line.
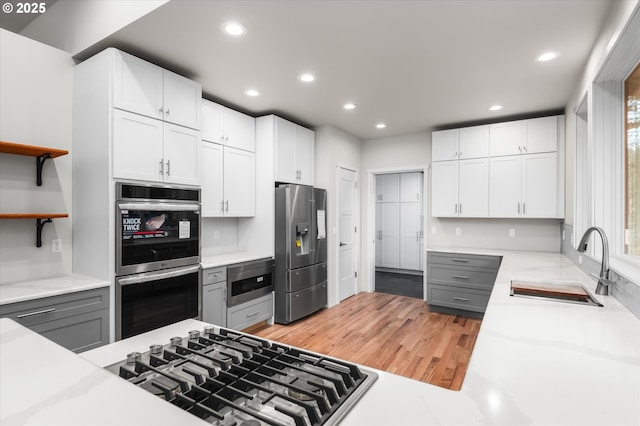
<point>156,235</point>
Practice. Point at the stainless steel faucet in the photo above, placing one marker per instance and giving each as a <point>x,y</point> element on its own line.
<point>603,280</point>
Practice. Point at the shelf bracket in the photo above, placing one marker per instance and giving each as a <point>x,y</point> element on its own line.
<point>39,225</point>
<point>40,159</point>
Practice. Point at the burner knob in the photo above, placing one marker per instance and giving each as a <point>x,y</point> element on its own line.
<point>176,341</point>
<point>208,329</point>
<point>194,334</point>
<point>156,349</point>
<point>132,357</point>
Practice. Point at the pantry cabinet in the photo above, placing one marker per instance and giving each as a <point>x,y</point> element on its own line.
<point>152,150</point>
<point>294,153</point>
<point>144,88</point>
<point>228,181</point>
<point>228,127</point>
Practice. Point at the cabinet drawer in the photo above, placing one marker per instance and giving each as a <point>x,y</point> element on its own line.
<point>462,277</point>
<point>78,333</point>
<point>214,275</point>
<point>463,259</point>
<point>465,299</point>
<point>249,313</point>
<point>38,311</point>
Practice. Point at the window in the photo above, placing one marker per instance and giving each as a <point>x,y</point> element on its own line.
<point>632,163</point>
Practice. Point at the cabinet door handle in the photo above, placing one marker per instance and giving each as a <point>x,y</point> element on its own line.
<point>168,111</point>
<point>226,140</point>
<point>418,236</point>
<point>460,260</point>
<point>518,208</point>
<point>524,208</point>
<point>524,148</point>
<point>168,167</point>
<point>226,206</point>
<point>221,140</point>
<point>31,314</point>
<point>380,235</point>
<point>222,205</point>
<point>463,299</point>
<point>161,167</point>
<point>520,149</point>
<point>462,277</point>
<point>456,209</point>
<point>161,110</point>
<point>460,209</point>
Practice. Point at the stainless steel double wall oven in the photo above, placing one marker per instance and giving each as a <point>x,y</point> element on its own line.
<point>157,257</point>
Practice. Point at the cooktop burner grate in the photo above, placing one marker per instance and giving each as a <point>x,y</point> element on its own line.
<point>228,378</point>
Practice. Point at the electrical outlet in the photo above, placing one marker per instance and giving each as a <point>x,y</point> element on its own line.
<point>580,259</point>
<point>434,230</point>
<point>216,235</point>
<point>512,232</point>
<point>56,245</point>
<point>458,231</point>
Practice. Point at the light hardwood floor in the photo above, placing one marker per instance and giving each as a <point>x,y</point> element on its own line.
<point>391,333</point>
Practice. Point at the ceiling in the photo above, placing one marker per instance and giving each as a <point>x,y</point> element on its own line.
<point>414,65</point>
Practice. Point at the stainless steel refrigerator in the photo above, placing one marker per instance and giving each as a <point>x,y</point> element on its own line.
<point>301,252</point>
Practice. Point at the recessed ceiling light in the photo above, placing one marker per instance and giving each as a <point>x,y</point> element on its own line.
<point>252,92</point>
<point>349,106</point>
<point>547,56</point>
<point>380,126</point>
<point>234,29</point>
<point>307,77</point>
<point>495,107</point>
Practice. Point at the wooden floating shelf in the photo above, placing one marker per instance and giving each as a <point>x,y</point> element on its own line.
<point>41,154</point>
<point>41,220</point>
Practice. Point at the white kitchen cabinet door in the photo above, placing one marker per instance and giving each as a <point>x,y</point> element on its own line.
<point>388,188</point>
<point>444,189</point>
<point>181,154</point>
<point>506,138</point>
<point>390,243</point>
<point>410,214</point>
<point>182,100</point>
<point>211,122</point>
<point>505,186</point>
<point>212,183</point>
<point>137,147</point>
<point>239,130</point>
<point>542,135</point>
<point>473,188</point>
<point>214,304</point>
<point>410,187</point>
<point>474,142</point>
<point>305,155</point>
<point>137,86</point>
<point>444,145</point>
<point>285,151</point>
<point>539,186</point>
<point>239,183</point>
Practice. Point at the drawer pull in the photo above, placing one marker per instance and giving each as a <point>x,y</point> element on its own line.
<point>463,299</point>
<point>253,314</point>
<point>31,314</point>
<point>460,260</point>
<point>462,277</point>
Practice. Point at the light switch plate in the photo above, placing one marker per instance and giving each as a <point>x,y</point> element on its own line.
<point>56,245</point>
<point>434,230</point>
<point>512,232</point>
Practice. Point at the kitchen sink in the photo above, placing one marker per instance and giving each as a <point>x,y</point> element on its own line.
<point>555,291</point>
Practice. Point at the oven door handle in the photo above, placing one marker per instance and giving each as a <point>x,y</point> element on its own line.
<point>159,206</point>
<point>154,276</point>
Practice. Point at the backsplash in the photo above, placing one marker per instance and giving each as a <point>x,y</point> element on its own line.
<point>623,289</point>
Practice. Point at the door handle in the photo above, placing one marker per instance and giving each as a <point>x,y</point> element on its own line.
<point>342,244</point>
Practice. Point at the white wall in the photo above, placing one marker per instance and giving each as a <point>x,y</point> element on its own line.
<point>218,235</point>
<point>335,148</point>
<point>36,83</point>
<point>73,25</point>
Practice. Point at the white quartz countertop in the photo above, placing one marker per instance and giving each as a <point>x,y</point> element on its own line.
<point>36,289</point>
<point>535,362</point>
<point>231,258</point>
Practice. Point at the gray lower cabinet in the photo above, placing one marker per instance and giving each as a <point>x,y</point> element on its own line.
<point>249,313</point>
<point>214,296</point>
<point>78,321</point>
<point>460,283</point>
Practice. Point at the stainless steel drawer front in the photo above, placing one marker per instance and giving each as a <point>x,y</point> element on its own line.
<point>301,278</point>
<point>300,303</point>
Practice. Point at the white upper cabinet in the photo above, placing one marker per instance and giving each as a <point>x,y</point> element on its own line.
<point>212,180</point>
<point>295,153</point>
<point>444,189</point>
<point>148,149</point>
<point>473,188</point>
<point>444,145</point>
<point>460,144</point>
<point>145,88</point>
<point>239,182</point>
<point>505,192</point>
<point>228,127</point>
<point>524,136</point>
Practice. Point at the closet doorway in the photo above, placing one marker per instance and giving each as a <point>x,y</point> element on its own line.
<point>399,236</point>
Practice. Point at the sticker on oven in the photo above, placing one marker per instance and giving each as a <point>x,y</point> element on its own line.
<point>184,229</point>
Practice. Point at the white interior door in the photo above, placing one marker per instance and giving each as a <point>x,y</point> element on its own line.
<point>347,193</point>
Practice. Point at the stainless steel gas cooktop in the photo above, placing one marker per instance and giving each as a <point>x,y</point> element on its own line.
<point>229,378</point>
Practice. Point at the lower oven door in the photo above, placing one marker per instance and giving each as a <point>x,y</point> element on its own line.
<point>150,300</point>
